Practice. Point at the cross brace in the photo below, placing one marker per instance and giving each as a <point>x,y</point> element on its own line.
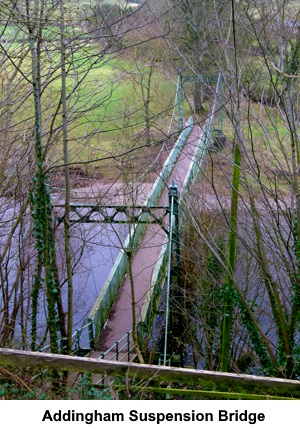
<point>206,78</point>
<point>117,214</point>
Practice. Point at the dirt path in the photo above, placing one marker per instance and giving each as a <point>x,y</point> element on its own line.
<point>120,319</point>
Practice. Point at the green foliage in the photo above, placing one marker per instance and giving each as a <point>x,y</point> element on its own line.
<point>266,367</point>
<point>86,390</point>
<point>212,299</point>
<point>295,318</point>
<point>44,244</point>
<point>40,387</point>
<point>203,278</point>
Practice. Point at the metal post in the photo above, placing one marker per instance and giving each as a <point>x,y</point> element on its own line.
<point>176,296</point>
<point>180,108</point>
<point>117,350</point>
<point>77,343</point>
<point>169,278</point>
<point>173,272</point>
<point>173,197</point>
<point>91,334</point>
<point>174,192</point>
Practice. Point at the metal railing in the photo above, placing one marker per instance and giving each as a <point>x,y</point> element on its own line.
<point>121,350</point>
<point>120,347</point>
<point>84,334</point>
<point>83,340</point>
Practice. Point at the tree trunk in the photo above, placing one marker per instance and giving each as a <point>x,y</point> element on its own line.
<point>67,180</point>
<point>134,334</point>
<point>228,305</point>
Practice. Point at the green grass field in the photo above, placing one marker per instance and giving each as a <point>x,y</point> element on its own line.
<point>106,113</point>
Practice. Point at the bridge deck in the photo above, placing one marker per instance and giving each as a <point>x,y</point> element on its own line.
<point>144,261</point>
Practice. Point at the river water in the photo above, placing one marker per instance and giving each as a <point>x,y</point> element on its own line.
<point>94,249</point>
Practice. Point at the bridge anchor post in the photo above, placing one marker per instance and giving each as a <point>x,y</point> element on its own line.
<point>176,297</point>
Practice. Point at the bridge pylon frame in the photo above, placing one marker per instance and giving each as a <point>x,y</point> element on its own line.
<point>204,78</point>
<point>108,214</point>
<point>174,302</point>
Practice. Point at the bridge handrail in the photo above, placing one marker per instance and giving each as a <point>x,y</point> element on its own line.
<point>101,309</point>
<point>158,278</point>
<point>157,282</point>
<point>119,349</point>
<point>76,338</point>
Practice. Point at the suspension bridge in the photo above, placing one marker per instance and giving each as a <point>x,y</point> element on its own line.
<point>154,251</point>
<point>150,255</point>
